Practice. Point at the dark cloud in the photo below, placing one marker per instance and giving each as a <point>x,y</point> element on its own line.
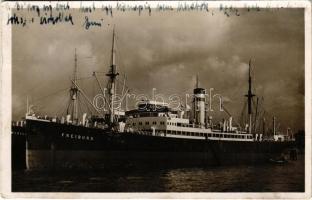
<point>166,51</point>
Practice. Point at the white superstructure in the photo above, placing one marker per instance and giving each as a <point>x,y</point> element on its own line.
<point>163,122</point>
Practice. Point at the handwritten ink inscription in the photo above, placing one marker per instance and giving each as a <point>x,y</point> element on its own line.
<point>60,18</point>
<point>88,23</point>
<point>62,13</point>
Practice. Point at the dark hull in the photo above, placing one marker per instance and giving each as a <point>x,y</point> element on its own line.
<point>18,148</point>
<point>53,145</point>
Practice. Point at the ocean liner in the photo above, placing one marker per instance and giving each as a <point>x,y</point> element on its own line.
<point>153,135</point>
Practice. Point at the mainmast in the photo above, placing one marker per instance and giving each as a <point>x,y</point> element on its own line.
<point>74,92</point>
<point>249,95</point>
<point>112,74</point>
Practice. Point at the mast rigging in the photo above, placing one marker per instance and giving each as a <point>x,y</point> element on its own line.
<point>112,75</point>
<point>249,96</point>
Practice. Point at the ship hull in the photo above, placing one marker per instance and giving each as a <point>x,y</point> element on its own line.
<point>53,145</point>
<point>18,148</point>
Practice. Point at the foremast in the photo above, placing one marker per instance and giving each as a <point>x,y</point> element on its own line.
<point>249,96</point>
<point>74,92</point>
<point>112,74</point>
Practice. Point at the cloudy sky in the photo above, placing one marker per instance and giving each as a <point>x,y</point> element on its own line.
<point>165,51</point>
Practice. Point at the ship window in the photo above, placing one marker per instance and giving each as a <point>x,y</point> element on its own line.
<point>201,134</point>
<point>188,133</point>
<point>146,123</point>
<point>209,134</point>
<point>140,123</point>
<point>192,134</point>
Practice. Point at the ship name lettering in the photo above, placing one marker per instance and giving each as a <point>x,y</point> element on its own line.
<point>78,137</point>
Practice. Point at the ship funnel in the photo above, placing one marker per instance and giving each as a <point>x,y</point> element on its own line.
<point>199,105</point>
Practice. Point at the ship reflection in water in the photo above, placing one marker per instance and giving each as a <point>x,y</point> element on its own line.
<point>265,178</point>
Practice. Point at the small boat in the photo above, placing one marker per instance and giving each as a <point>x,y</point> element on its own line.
<point>278,161</point>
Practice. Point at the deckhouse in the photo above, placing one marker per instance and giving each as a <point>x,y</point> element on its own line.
<point>156,118</point>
